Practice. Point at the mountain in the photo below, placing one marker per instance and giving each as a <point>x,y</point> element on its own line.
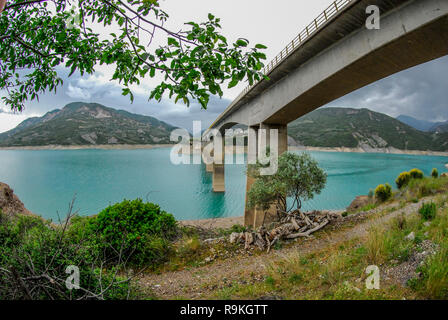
<point>81,123</point>
<point>421,125</point>
<point>440,127</point>
<point>361,128</point>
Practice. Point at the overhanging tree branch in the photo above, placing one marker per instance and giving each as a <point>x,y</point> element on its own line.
<point>195,62</point>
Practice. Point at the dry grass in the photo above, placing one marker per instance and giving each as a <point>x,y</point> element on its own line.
<point>338,272</point>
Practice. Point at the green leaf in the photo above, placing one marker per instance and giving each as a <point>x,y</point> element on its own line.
<point>233,83</point>
<point>173,42</point>
<point>241,43</point>
<point>152,72</point>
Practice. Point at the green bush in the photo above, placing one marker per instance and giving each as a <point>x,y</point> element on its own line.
<point>383,192</point>
<point>403,179</point>
<point>435,173</point>
<point>137,227</point>
<point>428,211</point>
<point>31,247</point>
<point>416,174</point>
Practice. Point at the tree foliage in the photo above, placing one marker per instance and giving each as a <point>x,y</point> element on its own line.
<point>383,192</point>
<point>298,176</point>
<point>37,36</point>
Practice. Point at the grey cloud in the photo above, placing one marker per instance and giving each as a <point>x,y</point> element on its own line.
<point>77,88</point>
<point>420,92</point>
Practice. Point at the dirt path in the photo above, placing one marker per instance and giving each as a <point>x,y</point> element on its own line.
<point>198,282</point>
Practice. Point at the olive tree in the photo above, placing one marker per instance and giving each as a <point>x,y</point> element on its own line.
<point>37,36</point>
<point>298,177</point>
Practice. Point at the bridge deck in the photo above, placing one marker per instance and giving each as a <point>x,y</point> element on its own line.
<point>338,21</point>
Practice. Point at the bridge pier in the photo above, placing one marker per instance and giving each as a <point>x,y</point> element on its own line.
<point>252,149</point>
<point>209,166</point>
<point>218,181</point>
<point>257,217</point>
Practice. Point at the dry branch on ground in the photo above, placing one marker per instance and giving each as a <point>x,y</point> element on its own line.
<point>294,225</point>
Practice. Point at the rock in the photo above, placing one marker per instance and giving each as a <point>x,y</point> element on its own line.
<point>235,237</point>
<point>358,203</point>
<point>10,204</point>
<point>427,224</point>
<point>213,240</point>
<point>394,262</point>
<point>411,236</point>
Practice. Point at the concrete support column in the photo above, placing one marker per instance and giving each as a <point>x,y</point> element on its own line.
<point>257,217</point>
<point>252,150</point>
<point>218,170</point>
<point>209,167</point>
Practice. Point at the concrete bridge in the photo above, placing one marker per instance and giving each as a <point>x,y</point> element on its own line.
<point>335,55</point>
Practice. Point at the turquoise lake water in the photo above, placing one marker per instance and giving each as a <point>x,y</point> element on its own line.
<point>47,180</point>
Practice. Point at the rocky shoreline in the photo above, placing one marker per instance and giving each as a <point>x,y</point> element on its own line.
<point>370,150</point>
<point>93,146</point>
<point>290,148</point>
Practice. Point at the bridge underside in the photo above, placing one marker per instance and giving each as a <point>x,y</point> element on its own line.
<point>411,34</point>
<point>423,45</point>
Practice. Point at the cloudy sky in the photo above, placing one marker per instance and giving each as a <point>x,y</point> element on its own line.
<point>420,92</point>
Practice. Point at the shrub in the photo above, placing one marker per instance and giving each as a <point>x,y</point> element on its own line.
<point>137,227</point>
<point>383,192</point>
<point>428,211</point>
<point>416,174</point>
<point>435,173</point>
<point>235,228</point>
<point>427,187</point>
<point>36,254</point>
<point>190,249</point>
<point>403,179</point>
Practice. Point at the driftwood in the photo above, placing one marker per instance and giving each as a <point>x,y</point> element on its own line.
<point>291,226</point>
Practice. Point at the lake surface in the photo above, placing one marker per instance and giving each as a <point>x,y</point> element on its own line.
<point>47,180</point>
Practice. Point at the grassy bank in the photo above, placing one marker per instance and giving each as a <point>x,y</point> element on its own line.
<point>339,271</point>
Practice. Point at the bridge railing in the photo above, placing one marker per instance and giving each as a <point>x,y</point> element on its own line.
<point>304,35</point>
